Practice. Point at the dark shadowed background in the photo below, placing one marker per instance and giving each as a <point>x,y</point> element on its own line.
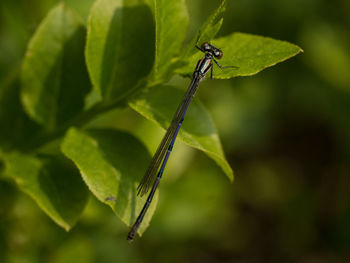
<point>285,132</point>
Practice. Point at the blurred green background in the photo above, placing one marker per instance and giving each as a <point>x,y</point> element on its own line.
<point>285,132</point>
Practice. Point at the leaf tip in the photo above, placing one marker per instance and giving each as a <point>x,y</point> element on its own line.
<point>231,177</point>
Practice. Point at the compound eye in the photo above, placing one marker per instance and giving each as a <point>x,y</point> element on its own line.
<point>205,46</point>
<point>218,54</point>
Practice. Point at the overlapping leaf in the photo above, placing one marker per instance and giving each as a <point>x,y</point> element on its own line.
<point>207,32</point>
<point>54,76</point>
<point>120,46</point>
<point>111,163</point>
<point>16,127</point>
<point>159,103</point>
<point>53,182</point>
<point>171,19</point>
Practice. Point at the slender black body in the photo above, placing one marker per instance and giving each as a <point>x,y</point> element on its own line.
<point>161,156</point>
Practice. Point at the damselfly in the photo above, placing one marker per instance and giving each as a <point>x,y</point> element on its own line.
<point>161,156</point>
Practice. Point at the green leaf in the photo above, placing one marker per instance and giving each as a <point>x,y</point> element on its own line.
<point>111,163</point>
<point>207,32</point>
<point>53,182</point>
<point>54,76</point>
<point>248,52</point>
<point>159,104</point>
<point>16,127</point>
<point>171,25</point>
<point>120,46</point>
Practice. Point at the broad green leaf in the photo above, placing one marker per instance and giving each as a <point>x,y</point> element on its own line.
<point>249,53</point>
<point>111,163</point>
<point>54,76</point>
<point>207,32</point>
<point>16,127</point>
<point>120,46</point>
<point>159,104</point>
<point>150,3</point>
<point>53,182</point>
<point>171,18</point>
